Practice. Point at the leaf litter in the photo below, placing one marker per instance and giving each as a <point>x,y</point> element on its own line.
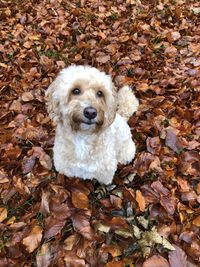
<point>150,216</point>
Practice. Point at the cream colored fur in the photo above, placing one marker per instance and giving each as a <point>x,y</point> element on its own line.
<point>83,150</point>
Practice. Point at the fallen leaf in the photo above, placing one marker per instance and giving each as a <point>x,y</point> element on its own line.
<point>44,206</point>
<point>44,256</point>
<point>196,221</point>
<point>53,227</point>
<point>32,241</point>
<point>177,258</point>
<point>153,145</point>
<point>82,226</point>
<point>72,260</point>
<point>28,164</point>
<point>27,96</point>
<point>3,214</point>
<point>173,36</point>
<point>80,200</point>
<point>172,139</point>
<point>103,59</point>
<point>156,261</point>
<point>140,200</point>
<point>45,161</point>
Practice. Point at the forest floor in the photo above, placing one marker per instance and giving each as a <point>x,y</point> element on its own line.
<point>150,215</point>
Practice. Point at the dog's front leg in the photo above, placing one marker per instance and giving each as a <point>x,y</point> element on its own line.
<point>127,151</point>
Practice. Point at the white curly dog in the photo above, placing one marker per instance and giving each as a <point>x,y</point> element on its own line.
<point>92,133</point>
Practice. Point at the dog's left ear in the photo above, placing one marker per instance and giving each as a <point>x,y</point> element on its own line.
<point>53,102</point>
<point>111,106</point>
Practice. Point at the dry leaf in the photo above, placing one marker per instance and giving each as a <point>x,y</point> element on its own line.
<point>177,258</point>
<point>156,261</point>
<point>27,96</point>
<point>32,241</point>
<point>80,200</point>
<point>140,200</point>
<point>44,256</point>
<point>3,214</point>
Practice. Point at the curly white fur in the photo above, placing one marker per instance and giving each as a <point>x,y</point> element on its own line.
<point>90,150</point>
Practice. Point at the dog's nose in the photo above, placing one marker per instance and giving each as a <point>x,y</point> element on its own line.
<point>90,113</point>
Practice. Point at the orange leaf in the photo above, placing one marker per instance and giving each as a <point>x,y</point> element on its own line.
<point>32,241</point>
<point>80,200</point>
<point>140,200</point>
<point>196,221</point>
<point>3,214</point>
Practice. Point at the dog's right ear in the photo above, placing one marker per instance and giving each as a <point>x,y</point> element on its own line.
<point>52,102</point>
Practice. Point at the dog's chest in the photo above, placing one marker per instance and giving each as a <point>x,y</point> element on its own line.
<point>92,149</point>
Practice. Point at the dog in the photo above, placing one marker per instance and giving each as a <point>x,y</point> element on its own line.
<point>92,134</point>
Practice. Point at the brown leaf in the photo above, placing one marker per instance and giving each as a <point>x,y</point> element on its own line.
<point>71,241</point>
<point>44,206</point>
<point>114,250</point>
<point>45,161</point>
<point>172,140</point>
<point>153,145</point>
<point>116,201</point>
<point>82,226</point>
<point>72,260</point>
<point>140,200</point>
<point>183,184</point>
<point>27,96</point>
<point>32,241</point>
<point>3,214</point>
<point>156,261</point>
<point>169,204</point>
<point>44,256</point>
<point>177,258</point>
<point>103,59</point>
<point>142,87</point>
<point>80,200</point>
<point>28,164</point>
<point>3,177</point>
<point>196,221</point>
<point>173,36</point>
<point>146,162</point>
<point>159,188</point>
<point>171,51</point>
<point>53,227</point>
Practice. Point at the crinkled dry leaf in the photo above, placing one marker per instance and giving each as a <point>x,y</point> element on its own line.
<point>149,239</point>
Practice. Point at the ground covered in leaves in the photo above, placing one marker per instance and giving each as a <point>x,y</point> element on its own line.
<point>152,207</point>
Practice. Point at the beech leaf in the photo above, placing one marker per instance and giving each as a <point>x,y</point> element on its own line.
<point>32,241</point>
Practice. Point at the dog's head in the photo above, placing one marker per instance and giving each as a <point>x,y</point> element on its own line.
<point>83,98</point>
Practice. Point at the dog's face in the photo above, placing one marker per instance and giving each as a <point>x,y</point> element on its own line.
<point>83,99</point>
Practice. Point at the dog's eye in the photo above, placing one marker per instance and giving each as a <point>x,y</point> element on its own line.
<point>99,93</point>
<point>76,91</point>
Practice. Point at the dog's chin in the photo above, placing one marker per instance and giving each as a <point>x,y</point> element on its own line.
<point>86,126</point>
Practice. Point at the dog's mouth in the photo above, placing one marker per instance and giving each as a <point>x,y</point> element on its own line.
<point>83,124</point>
<point>89,122</point>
